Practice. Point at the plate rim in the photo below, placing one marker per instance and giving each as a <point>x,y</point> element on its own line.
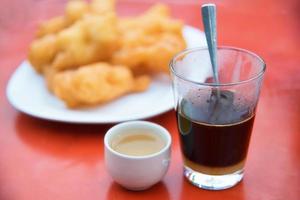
<point>38,115</point>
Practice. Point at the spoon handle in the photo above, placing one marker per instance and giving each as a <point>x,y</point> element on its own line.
<point>209,22</point>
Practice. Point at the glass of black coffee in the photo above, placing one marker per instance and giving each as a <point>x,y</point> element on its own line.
<point>215,120</point>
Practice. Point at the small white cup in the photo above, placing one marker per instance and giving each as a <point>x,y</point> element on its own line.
<point>137,172</point>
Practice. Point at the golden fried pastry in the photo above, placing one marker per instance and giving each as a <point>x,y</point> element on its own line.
<point>93,38</point>
<point>42,52</point>
<point>49,74</point>
<point>96,83</point>
<point>52,26</point>
<point>90,56</point>
<point>74,10</point>
<point>149,41</point>
<point>102,6</point>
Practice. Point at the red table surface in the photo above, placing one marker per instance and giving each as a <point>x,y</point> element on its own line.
<point>47,160</point>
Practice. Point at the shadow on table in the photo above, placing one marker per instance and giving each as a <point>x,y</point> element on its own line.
<point>158,191</point>
<point>77,141</point>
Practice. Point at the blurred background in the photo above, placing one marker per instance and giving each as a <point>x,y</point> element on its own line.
<point>271,28</point>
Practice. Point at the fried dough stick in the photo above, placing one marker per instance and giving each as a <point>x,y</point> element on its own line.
<point>75,10</point>
<point>148,42</point>
<point>96,84</point>
<point>92,38</point>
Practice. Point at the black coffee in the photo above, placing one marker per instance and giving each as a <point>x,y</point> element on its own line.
<point>214,132</point>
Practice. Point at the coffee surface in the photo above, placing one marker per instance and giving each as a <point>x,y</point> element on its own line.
<point>137,144</point>
<point>215,107</point>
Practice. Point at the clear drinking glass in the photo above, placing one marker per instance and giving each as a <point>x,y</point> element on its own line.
<point>215,120</point>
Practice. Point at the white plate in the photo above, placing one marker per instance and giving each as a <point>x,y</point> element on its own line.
<point>26,91</point>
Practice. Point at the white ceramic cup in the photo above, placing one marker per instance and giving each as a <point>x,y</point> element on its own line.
<point>137,172</point>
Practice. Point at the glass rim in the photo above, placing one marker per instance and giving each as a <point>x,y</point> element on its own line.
<point>189,50</point>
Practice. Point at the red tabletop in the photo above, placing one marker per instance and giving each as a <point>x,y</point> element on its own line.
<point>47,160</point>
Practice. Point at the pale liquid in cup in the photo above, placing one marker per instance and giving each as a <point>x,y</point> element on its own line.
<point>137,144</point>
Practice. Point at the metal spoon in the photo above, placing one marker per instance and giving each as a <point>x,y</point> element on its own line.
<point>209,22</point>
